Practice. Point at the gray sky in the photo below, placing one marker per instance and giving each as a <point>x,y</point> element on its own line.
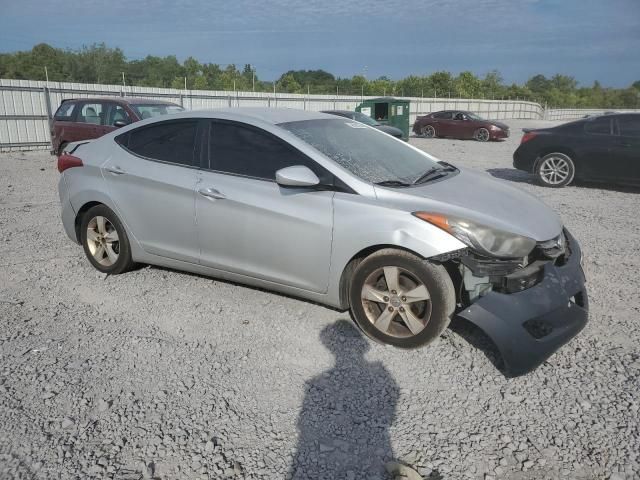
<point>588,39</point>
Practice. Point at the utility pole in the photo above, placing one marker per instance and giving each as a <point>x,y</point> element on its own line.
<point>46,73</point>
<point>253,79</point>
<point>185,84</point>
<point>123,83</point>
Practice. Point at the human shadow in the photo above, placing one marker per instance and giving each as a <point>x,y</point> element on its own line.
<point>346,413</point>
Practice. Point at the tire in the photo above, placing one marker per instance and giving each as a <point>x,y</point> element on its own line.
<point>555,170</point>
<point>428,131</point>
<point>61,148</point>
<point>397,319</point>
<point>482,135</point>
<point>105,241</point>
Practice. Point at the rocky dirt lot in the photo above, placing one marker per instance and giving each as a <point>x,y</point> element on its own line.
<point>162,374</point>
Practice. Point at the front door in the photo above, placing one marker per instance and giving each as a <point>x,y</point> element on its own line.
<point>248,224</point>
<point>152,180</point>
<point>626,151</point>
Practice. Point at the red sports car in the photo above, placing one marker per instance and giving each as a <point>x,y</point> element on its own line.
<point>459,124</point>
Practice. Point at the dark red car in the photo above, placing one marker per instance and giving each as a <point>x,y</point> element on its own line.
<point>459,124</point>
<point>88,118</point>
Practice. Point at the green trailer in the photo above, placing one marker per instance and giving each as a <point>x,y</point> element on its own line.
<point>388,111</point>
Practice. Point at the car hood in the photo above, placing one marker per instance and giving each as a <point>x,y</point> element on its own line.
<point>389,129</point>
<point>501,125</point>
<point>477,196</point>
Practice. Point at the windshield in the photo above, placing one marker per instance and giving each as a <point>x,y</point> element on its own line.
<point>369,154</point>
<point>473,116</point>
<point>362,118</point>
<point>155,109</point>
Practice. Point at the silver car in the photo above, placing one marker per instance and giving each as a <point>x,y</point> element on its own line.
<point>333,211</point>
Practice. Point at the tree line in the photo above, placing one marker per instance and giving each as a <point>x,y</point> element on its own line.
<point>99,63</point>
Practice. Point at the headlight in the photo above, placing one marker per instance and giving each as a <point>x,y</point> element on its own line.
<point>484,240</point>
<point>494,127</point>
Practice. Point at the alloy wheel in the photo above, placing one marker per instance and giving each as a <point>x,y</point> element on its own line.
<point>554,170</point>
<point>396,302</point>
<point>482,135</point>
<point>428,131</point>
<point>103,241</point>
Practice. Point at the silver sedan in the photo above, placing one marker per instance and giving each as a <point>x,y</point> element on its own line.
<point>330,210</point>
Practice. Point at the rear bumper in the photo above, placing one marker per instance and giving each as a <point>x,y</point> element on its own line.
<point>523,159</point>
<point>529,326</point>
<point>68,214</point>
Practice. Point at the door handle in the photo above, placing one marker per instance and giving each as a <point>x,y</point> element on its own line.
<point>115,170</point>
<point>211,193</point>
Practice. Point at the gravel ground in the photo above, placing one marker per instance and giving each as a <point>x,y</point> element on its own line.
<point>162,374</point>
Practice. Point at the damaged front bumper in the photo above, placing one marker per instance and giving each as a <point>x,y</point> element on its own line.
<point>530,325</point>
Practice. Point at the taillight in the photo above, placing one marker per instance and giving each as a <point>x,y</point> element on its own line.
<point>528,136</point>
<point>68,161</point>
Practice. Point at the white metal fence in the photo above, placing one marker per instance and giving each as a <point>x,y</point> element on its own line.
<point>575,113</point>
<point>27,106</point>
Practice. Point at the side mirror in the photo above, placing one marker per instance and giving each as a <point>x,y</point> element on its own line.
<point>297,176</point>
<point>120,123</point>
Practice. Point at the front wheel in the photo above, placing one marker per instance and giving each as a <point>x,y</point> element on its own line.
<point>105,241</point>
<point>555,170</point>
<point>482,135</point>
<point>400,299</point>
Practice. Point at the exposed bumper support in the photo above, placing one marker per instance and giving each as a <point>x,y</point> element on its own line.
<point>529,326</point>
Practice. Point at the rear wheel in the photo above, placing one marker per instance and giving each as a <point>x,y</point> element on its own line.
<point>555,170</point>
<point>428,131</point>
<point>400,299</point>
<point>105,241</point>
<point>482,135</point>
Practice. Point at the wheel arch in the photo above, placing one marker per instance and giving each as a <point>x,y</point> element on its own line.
<point>352,264</point>
<point>81,212</point>
<point>568,151</point>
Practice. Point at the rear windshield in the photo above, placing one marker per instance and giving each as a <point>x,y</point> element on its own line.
<point>364,151</point>
<point>155,110</point>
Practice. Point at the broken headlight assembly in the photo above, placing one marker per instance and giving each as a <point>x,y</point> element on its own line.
<point>486,241</point>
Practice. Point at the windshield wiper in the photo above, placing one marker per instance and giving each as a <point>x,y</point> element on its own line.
<point>431,174</point>
<point>392,183</point>
<point>447,166</point>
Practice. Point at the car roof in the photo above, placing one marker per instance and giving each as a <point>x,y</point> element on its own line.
<point>343,112</point>
<point>274,116</point>
<point>129,100</point>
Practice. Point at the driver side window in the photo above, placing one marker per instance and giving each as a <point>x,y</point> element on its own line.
<point>248,151</point>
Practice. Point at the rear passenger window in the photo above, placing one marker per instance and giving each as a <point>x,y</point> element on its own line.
<point>92,113</point>
<point>65,111</point>
<point>443,115</point>
<point>166,141</point>
<point>250,152</point>
<point>598,126</point>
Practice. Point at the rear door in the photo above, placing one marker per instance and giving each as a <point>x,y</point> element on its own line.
<point>444,124</point>
<point>152,177</point>
<point>248,224</point>
<point>594,149</point>
<point>626,152</point>
<point>90,120</point>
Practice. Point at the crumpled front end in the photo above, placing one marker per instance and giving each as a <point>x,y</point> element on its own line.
<point>528,310</point>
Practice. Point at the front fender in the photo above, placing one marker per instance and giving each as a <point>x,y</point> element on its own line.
<point>360,223</point>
